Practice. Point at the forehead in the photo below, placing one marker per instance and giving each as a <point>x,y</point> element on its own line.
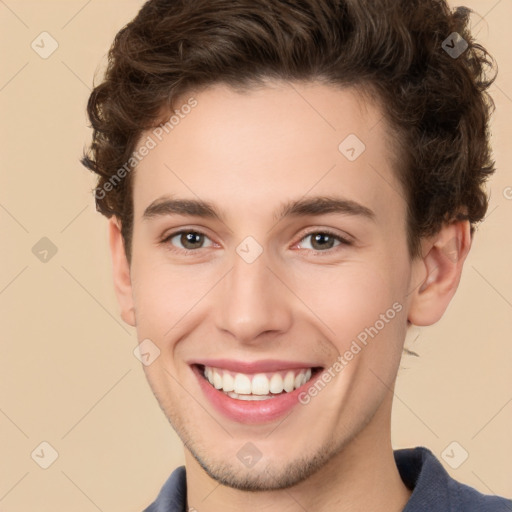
<point>250,151</point>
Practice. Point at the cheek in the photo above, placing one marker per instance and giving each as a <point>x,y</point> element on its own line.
<point>349,297</point>
<point>168,298</point>
<point>156,297</point>
<point>362,312</point>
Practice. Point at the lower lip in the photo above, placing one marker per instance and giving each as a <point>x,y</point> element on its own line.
<point>256,411</point>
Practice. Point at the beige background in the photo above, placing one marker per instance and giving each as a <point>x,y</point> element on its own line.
<point>68,373</point>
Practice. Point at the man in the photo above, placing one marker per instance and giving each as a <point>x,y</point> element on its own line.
<point>290,185</point>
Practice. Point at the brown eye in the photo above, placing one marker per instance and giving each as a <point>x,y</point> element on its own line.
<point>323,241</point>
<point>189,240</point>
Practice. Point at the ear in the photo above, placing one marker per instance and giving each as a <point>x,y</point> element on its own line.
<point>437,273</point>
<point>121,272</point>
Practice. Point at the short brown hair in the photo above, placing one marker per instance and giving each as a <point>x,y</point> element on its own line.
<point>399,49</point>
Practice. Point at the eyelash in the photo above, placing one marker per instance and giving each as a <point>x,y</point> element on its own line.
<point>343,241</point>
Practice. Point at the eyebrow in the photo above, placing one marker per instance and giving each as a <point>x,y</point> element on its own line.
<point>311,206</point>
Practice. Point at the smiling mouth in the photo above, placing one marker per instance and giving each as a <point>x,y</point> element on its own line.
<point>257,386</point>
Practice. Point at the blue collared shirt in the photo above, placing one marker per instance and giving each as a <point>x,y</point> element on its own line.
<point>433,490</point>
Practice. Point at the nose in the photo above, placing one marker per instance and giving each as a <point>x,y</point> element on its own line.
<point>254,301</point>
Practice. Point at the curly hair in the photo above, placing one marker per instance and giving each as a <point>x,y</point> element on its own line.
<point>399,50</point>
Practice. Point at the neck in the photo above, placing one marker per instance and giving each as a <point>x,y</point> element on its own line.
<point>362,476</point>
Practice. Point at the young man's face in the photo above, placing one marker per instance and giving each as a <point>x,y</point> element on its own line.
<point>258,287</point>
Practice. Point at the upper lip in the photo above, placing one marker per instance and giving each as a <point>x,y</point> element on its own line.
<point>262,366</point>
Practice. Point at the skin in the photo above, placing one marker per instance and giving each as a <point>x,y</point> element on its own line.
<point>247,153</point>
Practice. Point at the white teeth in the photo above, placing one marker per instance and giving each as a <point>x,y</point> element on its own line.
<point>242,384</point>
<point>256,387</point>
<point>289,382</point>
<point>276,383</point>
<point>260,384</point>
<point>217,379</point>
<point>228,383</point>
<point>248,397</point>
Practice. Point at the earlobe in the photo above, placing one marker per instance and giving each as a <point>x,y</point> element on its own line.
<point>121,272</point>
<point>439,271</point>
